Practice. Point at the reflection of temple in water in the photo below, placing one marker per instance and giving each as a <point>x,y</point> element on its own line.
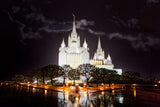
<point>89,98</point>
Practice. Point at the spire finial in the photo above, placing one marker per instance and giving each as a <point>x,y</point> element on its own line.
<point>99,42</point>
<point>74,17</point>
<point>74,25</point>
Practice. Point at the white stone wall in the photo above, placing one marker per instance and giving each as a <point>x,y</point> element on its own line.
<point>62,60</point>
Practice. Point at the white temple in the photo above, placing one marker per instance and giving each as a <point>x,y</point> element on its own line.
<point>73,54</point>
<point>100,61</point>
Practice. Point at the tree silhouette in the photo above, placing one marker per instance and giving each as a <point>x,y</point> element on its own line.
<point>86,71</point>
<point>52,71</point>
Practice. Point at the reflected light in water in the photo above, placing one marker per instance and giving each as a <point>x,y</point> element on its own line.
<point>77,98</point>
<point>134,92</point>
<point>67,94</point>
<point>45,92</point>
<point>121,100</point>
<point>33,90</point>
<point>102,92</point>
<point>155,85</point>
<point>46,87</point>
<point>27,89</point>
<point>85,94</point>
<point>112,92</point>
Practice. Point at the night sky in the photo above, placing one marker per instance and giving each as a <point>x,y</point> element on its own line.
<point>31,32</point>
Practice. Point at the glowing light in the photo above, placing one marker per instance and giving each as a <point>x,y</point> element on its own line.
<point>67,94</point>
<point>159,82</point>
<point>155,85</point>
<point>121,100</point>
<point>112,92</point>
<point>72,81</point>
<point>134,84</point>
<point>66,84</point>
<point>46,87</point>
<point>28,82</point>
<point>6,83</point>
<point>72,87</point>
<point>102,92</point>
<point>85,94</point>
<point>84,85</point>
<point>35,81</point>
<point>33,90</point>
<point>74,61</point>
<point>45,92</point>
<point>134,92</point>
<point>77,98</point>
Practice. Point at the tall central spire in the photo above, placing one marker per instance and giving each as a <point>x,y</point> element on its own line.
<point>99,43</point>
<point>74,25</point>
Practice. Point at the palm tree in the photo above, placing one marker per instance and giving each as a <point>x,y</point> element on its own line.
<point>85,70</point>
<point>52,71</point>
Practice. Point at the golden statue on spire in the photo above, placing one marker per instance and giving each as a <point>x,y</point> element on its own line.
<point>73,16</point>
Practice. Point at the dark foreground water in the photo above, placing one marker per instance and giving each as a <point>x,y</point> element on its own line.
<point>22,96</point>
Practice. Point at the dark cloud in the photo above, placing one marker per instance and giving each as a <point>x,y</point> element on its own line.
<point>96,32</point>
<point>139,41</point>
<point>152,1</point>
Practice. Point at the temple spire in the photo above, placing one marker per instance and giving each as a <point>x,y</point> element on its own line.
<point>99,43</point>
<point>85,43</point>
<point>63,44</point>
<point>109,61</point>
<point>74,25</point>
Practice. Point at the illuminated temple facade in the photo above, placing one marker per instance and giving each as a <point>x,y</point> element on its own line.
<point>100,61</point>
<point>73,54</point>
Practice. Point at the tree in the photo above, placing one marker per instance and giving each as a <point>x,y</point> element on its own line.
<point>37,74</point>
<point>64,72</point>
<point>52,71</point>
<point>73,73</point>
<point>43,74</point>
<point>149,79</point>
<point>111,76</point>
<point>95,73</point>
<point>103,72</point>
<point>85,70</point>
<point>18,77</point>
<point>130,77</point>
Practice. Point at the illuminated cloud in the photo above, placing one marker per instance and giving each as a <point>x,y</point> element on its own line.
<point>140,41</point>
